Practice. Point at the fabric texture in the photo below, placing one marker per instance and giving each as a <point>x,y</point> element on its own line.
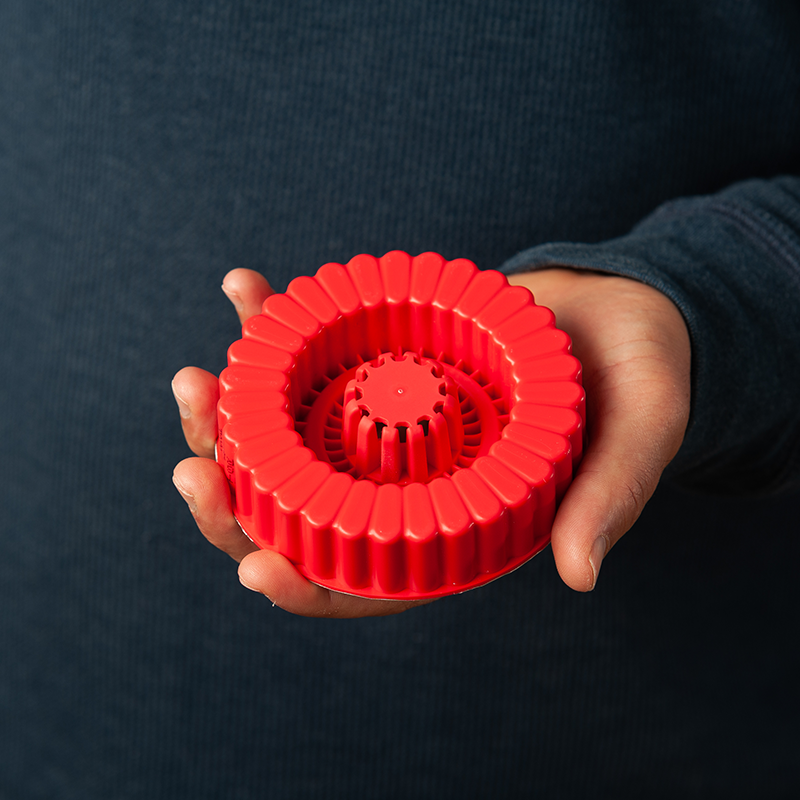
<point>148,147</point>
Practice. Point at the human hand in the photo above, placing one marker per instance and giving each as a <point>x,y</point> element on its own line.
<point>636,358</point>
<point>203,485</point>
<point>634,347</point>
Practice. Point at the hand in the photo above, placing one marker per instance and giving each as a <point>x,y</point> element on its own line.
<point>203,485</point>
<point>635,351</point>
<point>636,356</point>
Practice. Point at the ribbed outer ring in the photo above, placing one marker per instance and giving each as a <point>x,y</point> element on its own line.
<point>417,540</point>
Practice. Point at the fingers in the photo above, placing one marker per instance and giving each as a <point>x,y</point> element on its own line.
<point>204,487</point>
<point>273,575</point>
<point>247,290</point>
<point>196,393</point>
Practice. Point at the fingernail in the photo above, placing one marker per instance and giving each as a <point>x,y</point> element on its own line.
<point>234,298</point>
<point>247,585</point>
<point>599,550</point>
<point>257,591</point>
<point>183,406</point>
<point>187,496</point>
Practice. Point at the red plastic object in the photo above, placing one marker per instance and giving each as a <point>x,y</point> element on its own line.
<point>400,427</point>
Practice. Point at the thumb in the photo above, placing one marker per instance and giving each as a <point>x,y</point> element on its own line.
<point>633,441</point>
<point>247,290</point>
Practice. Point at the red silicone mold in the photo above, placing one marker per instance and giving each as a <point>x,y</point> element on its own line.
<point>400,427</point>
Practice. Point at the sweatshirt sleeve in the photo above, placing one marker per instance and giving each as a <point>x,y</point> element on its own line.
<point>731,263</point>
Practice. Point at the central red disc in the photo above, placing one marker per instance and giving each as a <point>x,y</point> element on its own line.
<point>402,420</point>
<point>400,391</point>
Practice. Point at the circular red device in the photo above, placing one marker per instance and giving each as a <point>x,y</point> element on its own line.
<point>400,427</point>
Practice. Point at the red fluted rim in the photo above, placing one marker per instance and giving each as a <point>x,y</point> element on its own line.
<point>458,500</point>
